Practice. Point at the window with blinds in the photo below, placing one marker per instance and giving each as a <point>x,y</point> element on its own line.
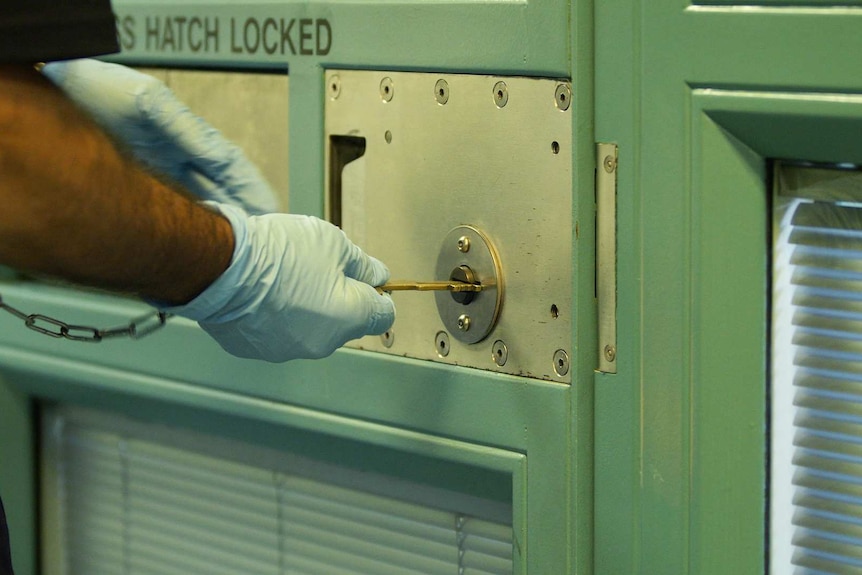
<point>130,498</point>
<point>816,419</point>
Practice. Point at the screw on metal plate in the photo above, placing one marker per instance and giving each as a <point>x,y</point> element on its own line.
<point>388,338</point>
<point>563,97</point>
<point>610,164</point>
<point>334,86</point>
<point>441,342</point>
<point>387,136</point>
<point>500,353</point>
<point>610,353</point>
<point>464,322</point>
<point>441,91</point>
<point>501,94</point>
<point>561,362</point>
<point>387,89</point>
<point>464,244</point>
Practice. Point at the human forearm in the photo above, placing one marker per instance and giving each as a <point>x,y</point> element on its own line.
<point>73,206</point>
<point>296,286</point>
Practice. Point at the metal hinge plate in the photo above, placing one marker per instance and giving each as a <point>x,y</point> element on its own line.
<point>606,255</point>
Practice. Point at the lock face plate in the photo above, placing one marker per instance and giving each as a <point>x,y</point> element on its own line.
<point>406,167</point>
<point>467,246</point>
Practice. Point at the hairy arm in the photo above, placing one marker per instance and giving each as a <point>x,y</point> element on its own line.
<point>74,207</point>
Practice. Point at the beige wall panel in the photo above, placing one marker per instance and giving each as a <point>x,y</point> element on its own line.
<point>249,108</point>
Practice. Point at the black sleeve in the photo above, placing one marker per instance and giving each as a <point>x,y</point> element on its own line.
<point>43,30</point>
<point>5,554</point>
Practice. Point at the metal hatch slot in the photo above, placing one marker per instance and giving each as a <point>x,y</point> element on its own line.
<point>342,151</point>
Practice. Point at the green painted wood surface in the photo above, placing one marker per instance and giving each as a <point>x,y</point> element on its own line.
<point>475,410</point>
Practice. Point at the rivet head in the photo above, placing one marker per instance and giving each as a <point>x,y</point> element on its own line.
<point>387,89</point>
<point>464,322</point>
<point>464,244</point>
<point>388,338</point>
<point>441,91</point>
<point>501,94</point>
<point>563,97</point>
<point>610,164</point>
<point>334,86</point>
<point>500,353</point>
<point>610,353</point>
<point>441,342</point>
<point>561,362</point>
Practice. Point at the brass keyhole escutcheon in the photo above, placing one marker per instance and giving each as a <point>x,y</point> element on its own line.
<point>469,316</point>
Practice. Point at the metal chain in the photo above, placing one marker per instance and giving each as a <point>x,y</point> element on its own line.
<point>137,328</point>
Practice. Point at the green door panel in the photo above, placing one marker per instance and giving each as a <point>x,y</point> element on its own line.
<point>405,415</point>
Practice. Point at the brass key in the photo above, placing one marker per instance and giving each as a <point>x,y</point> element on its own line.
<point>449,285</point>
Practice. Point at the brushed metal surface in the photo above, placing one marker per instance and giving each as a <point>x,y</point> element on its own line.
<point>431,165</point>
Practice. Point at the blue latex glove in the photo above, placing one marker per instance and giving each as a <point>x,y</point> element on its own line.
<point>142,113</point>
<point>296,287</point>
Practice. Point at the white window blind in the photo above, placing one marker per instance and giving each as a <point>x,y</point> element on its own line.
<point>816,434</point>
<point>130,500</point>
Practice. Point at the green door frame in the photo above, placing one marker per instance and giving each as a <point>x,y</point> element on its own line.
<point>699,99</point>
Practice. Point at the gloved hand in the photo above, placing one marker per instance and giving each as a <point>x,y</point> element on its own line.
<point>160,131</point>
<point>296,287</point>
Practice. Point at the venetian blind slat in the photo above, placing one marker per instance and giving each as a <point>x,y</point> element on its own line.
<point>140,507</point>
<point>826,264</point>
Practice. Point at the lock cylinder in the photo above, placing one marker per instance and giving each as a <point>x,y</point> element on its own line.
<point>467,255</point>
<point>466,275</point>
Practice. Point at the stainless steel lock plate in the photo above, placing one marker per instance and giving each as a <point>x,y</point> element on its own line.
<point>482,166</point>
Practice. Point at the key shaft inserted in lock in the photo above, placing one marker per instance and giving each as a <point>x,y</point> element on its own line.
<point>474,284</point>
<point>452,285</point>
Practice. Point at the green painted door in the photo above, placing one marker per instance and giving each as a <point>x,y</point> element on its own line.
<point>700,97</point>
<point>524,441</point>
